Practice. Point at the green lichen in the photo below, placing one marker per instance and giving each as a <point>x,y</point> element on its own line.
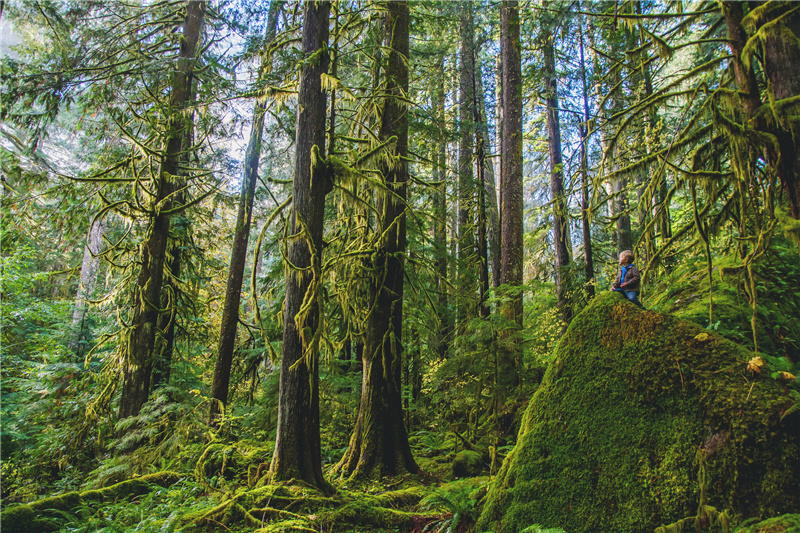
<point>639,418</point>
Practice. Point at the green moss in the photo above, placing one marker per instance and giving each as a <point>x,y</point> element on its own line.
<point>62,502</point>
<point>788,523</point>
<point>467,464</point>
<point>636,406</point>
<point>131,487</point>
<point>289,526</point>
<point>19,519</point>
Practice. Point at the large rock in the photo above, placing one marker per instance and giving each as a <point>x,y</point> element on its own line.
<point>640,420</point>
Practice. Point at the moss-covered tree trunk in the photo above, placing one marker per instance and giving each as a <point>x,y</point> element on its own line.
<point>561,236</point>
<point>511,252</point>
<point>782,67</point>
<point>297,444</point>
<point>89,267</point>
<point>233,288</point>
<point>140,342</point>
<point>379,444</point>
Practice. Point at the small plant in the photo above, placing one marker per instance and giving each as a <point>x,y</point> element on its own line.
<point>459,501</point>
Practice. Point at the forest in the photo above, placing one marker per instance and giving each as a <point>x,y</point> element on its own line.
<point>350,266</point>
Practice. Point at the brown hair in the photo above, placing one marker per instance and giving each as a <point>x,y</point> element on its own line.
<point>627,253</point>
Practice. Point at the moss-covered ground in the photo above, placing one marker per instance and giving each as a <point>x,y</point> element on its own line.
<point>642,421</point>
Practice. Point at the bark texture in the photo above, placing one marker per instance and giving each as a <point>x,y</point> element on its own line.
<point>511,157</point>
<point>466,179</point>
<point>139,356</point>
<point>89,267</point>
<point>297,444</point>
<point>379,444</point>
<point>585,208</point>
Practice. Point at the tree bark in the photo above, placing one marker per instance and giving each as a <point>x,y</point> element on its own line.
<point>440,228</point>
<point>466,181</point>
<point>138,364</point>
<point>509,353</point>
<point>561,236</point>
<point>297,445</point>
<point>89,267</point>
<point>380,442</point>
<point>782,67</point>
<point>233,289</point>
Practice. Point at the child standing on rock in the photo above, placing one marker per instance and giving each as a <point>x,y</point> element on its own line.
<point>628,279</point>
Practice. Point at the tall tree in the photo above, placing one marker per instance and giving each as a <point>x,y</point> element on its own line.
<point>585,209</point>
<point>511,177</point>
<point>466,179</point>
<point>89,266</point>
<point>561,236</point>
<point>297,444</point>
<point>139,356</point>
<point>233,289</point>
<point>379,440</point>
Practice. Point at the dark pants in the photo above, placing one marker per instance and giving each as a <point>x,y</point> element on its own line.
<point>630,295</point>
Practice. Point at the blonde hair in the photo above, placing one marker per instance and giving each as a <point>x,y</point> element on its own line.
<point>627,254</point>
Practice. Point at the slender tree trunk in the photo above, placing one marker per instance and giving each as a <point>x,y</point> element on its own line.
<point>297,444</point>
<point>233,289</point>
<point>380,442</point>
<point>466,180</point>
<point>440,228</point>
<point>561,236</point>
<point>490,183</point>
<point>89,267</point>
<point>138,364</point>
<point>587,230</point>
<point>510,353</point>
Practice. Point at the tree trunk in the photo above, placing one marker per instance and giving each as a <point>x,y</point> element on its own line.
<point>466,181</point>
<point>509,354</point>
<point>782,66</point>
<point>561,236</point>
<point>440,228</point>
<point>297,444</point>
<point>587,231</point>
<point>233,289</point>
<point>490,183</point>
<point>380,441</point>
<point>89,266</point>
<point>138,364</point>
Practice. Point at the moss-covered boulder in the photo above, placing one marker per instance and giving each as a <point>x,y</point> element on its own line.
<point>467,463</point>
<point>789,523</point>
<point>639,421</point>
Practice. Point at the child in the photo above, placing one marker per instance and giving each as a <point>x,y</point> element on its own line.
<point>628,278</point>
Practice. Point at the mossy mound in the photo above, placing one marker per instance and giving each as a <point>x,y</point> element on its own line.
<point>467,464</point>
<point>789,523</point>
<point>47,513</point>
<point>640,420</point>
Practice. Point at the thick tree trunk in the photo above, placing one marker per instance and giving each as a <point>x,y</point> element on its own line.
<point>561,236</point>
<point>466,181</point>
<point>138,364</point>
<point>585,208</point>
<point>379,444</point>
<point>297,445</point>
<point>89,267</point>
<point>233,289</point>
<point>782,66</point>
<point>165,337</point>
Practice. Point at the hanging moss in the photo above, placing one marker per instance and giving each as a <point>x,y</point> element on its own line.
<point>610,440</point>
